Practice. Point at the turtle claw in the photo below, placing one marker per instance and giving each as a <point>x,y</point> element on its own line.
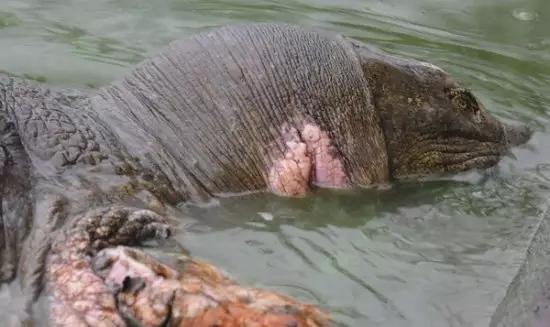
<point>122,226</point>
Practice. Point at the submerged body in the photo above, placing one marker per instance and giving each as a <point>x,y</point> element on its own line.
<point>241,108</point>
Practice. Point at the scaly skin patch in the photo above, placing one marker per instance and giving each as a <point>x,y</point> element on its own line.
<point>78,297</point>
<point>151,294</point>
<point>309,158</point>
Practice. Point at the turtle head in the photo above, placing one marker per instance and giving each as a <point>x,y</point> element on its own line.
<point>431,123</point>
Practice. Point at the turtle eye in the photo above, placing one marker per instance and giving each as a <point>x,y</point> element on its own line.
<point>463,100</point>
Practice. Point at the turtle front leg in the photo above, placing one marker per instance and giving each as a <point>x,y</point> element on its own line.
<point>78,296</point>
<point>152,294</point>
<point>92,281</point>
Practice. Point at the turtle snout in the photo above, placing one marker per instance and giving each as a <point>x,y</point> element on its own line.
<point>517,135</point>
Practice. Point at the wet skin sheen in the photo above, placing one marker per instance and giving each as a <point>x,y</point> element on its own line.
<point>241,108</point>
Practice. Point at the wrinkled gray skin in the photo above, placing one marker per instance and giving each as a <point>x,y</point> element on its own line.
<point>200,118</point>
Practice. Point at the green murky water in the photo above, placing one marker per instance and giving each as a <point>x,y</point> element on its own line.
<point>432,253</point>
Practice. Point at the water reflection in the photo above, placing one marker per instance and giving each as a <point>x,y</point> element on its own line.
<point>411,255</point>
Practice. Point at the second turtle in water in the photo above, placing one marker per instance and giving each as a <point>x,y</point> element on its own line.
<point>240,108</point>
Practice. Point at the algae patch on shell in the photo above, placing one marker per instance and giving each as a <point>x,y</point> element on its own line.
<point>8,19</point>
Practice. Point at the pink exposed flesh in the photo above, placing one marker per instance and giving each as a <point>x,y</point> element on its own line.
<point>80,298</point>
<point>309,158</point>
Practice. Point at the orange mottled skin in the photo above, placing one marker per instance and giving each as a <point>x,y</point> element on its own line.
<point>200,295</point>
<point>93,281</point>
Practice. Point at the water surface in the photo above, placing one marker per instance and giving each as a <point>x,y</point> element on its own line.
<point>439,252</point>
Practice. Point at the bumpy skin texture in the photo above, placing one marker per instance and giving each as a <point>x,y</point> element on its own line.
<point>240,108</point>
<point>200,295</point>
<point>15,207</point>
<point>309,158</point>
<point>78,296</point>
